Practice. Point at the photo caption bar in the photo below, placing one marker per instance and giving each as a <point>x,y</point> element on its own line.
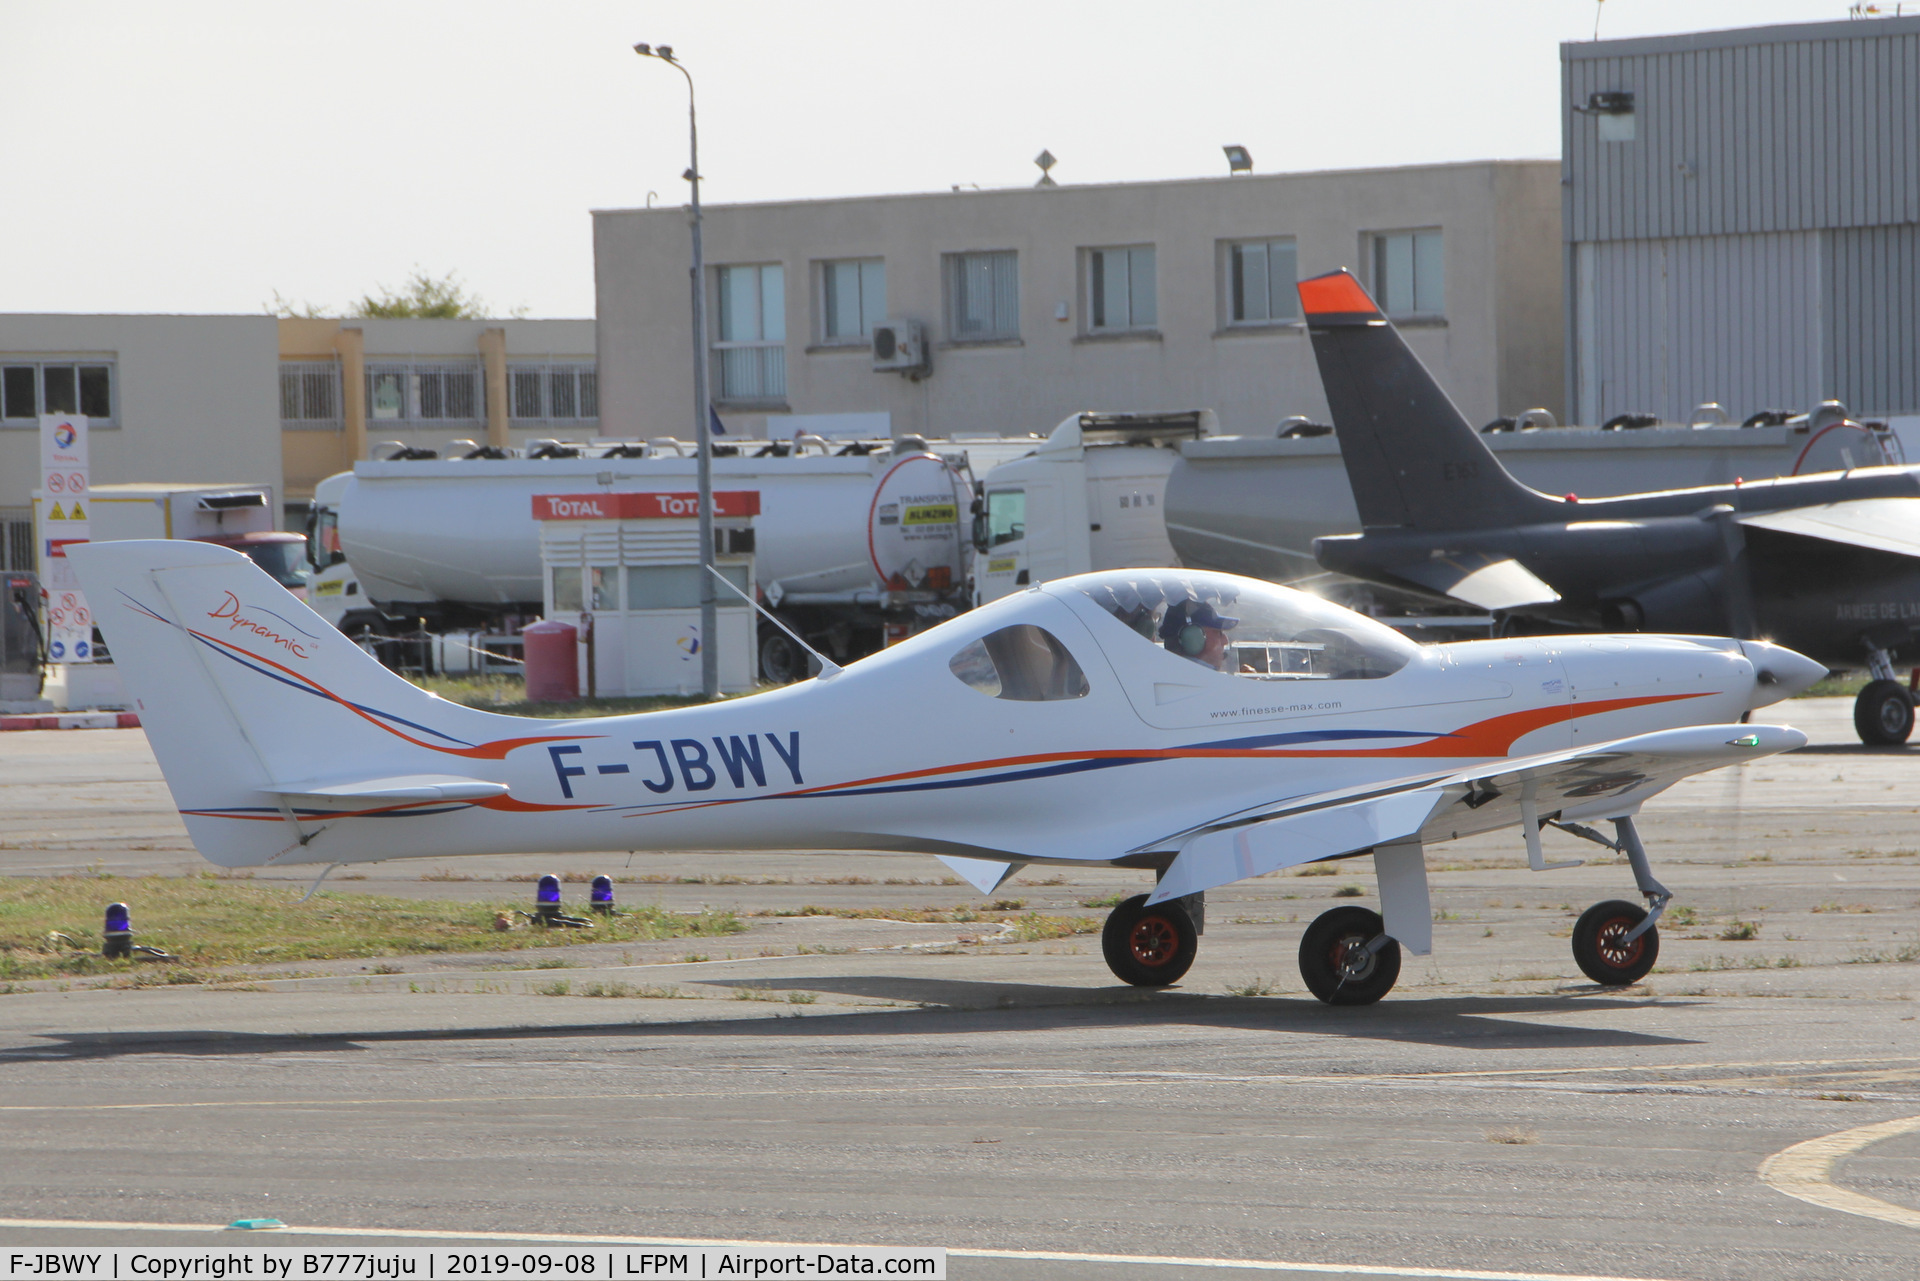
<point>606,1263</point>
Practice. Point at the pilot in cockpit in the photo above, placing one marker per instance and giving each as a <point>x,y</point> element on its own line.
<point>1196,630</point>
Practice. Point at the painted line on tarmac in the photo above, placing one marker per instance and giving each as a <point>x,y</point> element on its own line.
<point>1036,1256</point>
<point>1805,1170</point>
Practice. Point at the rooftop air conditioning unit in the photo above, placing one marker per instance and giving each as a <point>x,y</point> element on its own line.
<point>900,347</point>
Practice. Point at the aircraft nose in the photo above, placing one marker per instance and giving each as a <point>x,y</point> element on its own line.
<point>1779,672</point>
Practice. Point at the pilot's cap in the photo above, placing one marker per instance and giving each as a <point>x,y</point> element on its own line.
<point>1193,614</point>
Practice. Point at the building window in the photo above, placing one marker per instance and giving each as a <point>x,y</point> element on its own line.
<point>1408,278</point>
<point>1261,280</point>
<point>560,391</point>
<point>310,395</point>
<point>853,298</point>
<point>751,351</point>
<point>31,386</point>
<point>427,394</point>
<point>1120,292</point>
<point>983,296</point>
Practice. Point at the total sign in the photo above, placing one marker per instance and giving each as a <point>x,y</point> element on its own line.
<point>64,521</point>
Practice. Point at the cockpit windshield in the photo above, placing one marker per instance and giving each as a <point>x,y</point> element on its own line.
<point>1255,630</point>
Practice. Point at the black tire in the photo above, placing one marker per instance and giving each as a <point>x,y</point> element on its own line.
<point>781,661</point>
<point>1335,963</point>
<point>1149,946</point>
<point>1597,946</point>
<point>1883,714</point>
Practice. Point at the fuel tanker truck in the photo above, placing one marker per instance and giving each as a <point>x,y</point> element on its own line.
<point>856,545</point>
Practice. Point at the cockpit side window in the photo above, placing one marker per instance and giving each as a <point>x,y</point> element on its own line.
<point>1260,632</point>
<point>1023,663</point>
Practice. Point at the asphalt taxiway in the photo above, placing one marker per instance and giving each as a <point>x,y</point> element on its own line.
<point>1747,1112</point>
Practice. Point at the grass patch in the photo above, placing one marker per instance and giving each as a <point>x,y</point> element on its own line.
<point>779,998</point>
<point>1517,1134</point>
<point>1738,931</point>
<point>212,922</point>
<point>651,992</point>
<point>1258,985</point>
<point>1349,891</point>
<point>1107,900</point>
<point>1033,927</point>
<point>1316,869</point>
<point>508,695</point>
<point>1844,685</point>
<point>1905,953</point>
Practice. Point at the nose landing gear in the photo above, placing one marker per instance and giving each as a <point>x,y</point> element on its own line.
<point>1616,943</point>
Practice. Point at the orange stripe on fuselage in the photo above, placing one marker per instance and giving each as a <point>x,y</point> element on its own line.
<point>1493,737</point>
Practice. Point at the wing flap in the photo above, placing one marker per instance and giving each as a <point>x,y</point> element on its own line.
<point>1881,524</point>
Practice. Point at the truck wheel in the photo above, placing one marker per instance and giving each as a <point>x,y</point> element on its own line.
<point>781,661</point>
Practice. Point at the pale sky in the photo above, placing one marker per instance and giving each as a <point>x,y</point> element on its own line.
<point>198,155</point>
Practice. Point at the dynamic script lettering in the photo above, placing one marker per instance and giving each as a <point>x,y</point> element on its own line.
<point>229,609</point>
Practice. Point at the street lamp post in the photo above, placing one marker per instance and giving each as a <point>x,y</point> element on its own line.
<point>703,406</point>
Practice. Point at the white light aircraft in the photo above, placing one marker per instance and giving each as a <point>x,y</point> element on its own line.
<point>1198,726</point>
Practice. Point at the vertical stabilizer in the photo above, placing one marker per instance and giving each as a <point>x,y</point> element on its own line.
<point>1413,460</point>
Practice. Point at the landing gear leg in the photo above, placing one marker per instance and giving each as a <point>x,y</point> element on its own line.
<point>1883,713</point>
<point>1616,943</point>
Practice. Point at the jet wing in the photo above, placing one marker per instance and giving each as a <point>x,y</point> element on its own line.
<point>1882,524</point>
<point>1479,579</point>
<point>1605,780</point>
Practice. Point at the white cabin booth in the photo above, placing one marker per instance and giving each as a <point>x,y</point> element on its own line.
<point>625,570</point>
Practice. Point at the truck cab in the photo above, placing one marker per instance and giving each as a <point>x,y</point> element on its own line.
<point>1092,496</point>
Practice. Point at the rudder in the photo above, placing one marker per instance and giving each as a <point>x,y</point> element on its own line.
<point>1412,458</point>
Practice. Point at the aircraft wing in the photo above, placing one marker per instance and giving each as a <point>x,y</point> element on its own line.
<point>1606,780</point>
<point>1882,524</point>
<point>1479,579</point>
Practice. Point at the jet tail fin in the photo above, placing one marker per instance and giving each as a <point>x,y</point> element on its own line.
<point>269,725</point>
<point>1412,458</point>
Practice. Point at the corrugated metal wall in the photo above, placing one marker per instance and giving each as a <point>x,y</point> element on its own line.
<point>1668,324</point>
<point>1813,127</point>
<point>1872,312</point>
<point>1757,242</point>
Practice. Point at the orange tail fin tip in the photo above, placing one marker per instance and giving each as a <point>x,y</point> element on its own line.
<point>1336,293</point>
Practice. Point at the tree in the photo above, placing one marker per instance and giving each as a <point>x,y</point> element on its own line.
<point>422,297</point>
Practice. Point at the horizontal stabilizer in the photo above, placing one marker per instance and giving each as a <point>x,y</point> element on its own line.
<point>1882,524</point>
<point>1479,580</point>
<point>984,874</point>
<point>402,789</point>
<point>1606,780</point>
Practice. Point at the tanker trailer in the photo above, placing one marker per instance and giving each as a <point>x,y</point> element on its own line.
<point>854,547</point>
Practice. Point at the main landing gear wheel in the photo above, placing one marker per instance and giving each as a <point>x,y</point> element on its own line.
<point>1600,947</point>
<point>1883,713</point>
<point>1337,964</point>
<point>1149,946</point>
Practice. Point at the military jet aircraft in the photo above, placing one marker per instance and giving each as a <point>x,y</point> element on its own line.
<point>1828,564</point>
<point>1200,727</point>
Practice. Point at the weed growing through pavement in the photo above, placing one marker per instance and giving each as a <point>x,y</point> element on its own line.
<point>1258,985</point>
<point>1518,1134</point>
<point>1349,891</point>
<point>1738,931</point>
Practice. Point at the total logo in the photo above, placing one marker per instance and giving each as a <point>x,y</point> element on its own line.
<point>64,435</point>
<point>688,644</point>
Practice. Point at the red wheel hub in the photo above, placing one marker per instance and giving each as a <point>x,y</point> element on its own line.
<point>1350,957</point>
<point>1153,940</point>
<point>1610,942</point>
